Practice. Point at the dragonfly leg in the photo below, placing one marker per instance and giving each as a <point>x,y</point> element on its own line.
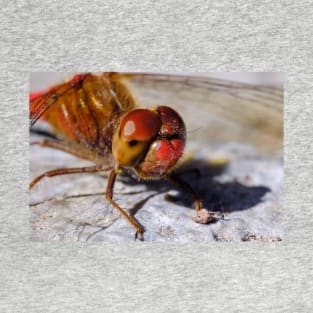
<point>109,196</point>
<point>176,180</point>
<point>203,216</point>
<point>64,171</point>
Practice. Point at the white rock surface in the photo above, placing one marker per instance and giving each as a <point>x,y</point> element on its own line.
<point>248,190</point>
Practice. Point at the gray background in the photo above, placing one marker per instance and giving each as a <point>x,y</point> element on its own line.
<point>172,36</point>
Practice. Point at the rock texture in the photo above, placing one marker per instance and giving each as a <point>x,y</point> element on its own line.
<point>231,178</point>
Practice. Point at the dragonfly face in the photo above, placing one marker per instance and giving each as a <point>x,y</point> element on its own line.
<point>149,141</point>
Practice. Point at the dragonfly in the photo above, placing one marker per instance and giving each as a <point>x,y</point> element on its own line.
<point>112,119</point>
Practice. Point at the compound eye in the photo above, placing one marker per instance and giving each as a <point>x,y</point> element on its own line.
<point>131,140</point>
<point>140,125</point>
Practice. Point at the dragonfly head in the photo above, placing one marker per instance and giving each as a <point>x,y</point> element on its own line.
<point>149,141</point>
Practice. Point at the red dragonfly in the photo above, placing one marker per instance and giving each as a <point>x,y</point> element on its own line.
<point>96,117</point>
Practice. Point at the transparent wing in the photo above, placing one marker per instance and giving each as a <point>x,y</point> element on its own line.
<point>213,110</point>
<point>216,110</point>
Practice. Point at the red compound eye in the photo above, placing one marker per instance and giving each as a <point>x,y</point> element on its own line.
<point>169,150</point>
<point>141,125</point>
<point>172,123</point>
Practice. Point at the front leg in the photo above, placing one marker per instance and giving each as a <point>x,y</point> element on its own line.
<point>64,171</point>
<point>202,216</point>
<point>109,197</point>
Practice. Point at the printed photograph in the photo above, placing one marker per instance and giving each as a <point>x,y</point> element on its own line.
<point>156,157</point>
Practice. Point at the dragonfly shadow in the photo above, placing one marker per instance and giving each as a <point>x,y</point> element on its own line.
<point>230,197</point>
<point>218,196</point>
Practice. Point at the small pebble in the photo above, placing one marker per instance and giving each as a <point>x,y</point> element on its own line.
<point>203,216</point>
